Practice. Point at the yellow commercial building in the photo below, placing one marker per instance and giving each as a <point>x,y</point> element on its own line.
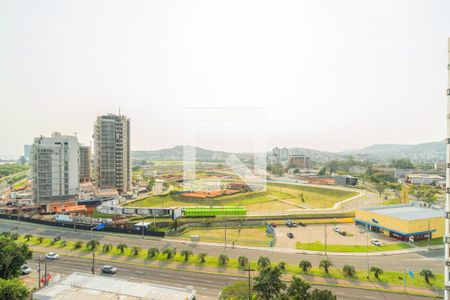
<point>403,221</point>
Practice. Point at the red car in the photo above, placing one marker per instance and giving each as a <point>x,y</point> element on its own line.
<point>273,225</point>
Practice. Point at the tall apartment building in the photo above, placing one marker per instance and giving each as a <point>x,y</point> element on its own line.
<point>85,163</point>
<point>55,168</point>
<point>112,152</point>
<point>299,161</point>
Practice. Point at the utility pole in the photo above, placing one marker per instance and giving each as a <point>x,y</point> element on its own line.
<point>225,233</point>
<point>367,251</point>
<point>39,273</point>
<point>45,273</point>
<point>429,236</point>
<point>93,253</point>
<point>325,239</point>
<point>249,281</point>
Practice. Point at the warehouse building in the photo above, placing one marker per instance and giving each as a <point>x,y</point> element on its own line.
<point>403,221</point>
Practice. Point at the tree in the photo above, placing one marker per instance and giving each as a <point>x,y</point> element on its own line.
<point>28,237</point>
<point>349,271</point>
<point>14,236</point>
<point>268,285</point>
<point>282,265</point>
<point>402,164</point>
<point>107,247</point>
<point>322,171</point>
<point>5,234</point>
<point>223,259</point>
<point>242,261</point>
<point>325,264</point>
<point>424,193</point>
<point>321,295</point>
<point>298,289</point>
<point>63,244</point>
<point>13,289</point>
<point>169,253</point>
<point>40,239</point>
<point>78,244</point>
<point>263,262</point>
<point>152,252</point>
<point>376,271</point>
<point>380,187</point>
<point>427,275</point>
<point>92,244</point>
<point>202,257</point>
<point>135,250</point>
<point>186,254</point>
<point>13,256</point>
<point>235,291</point>
<point>305,265</point>
<point>121,248</point>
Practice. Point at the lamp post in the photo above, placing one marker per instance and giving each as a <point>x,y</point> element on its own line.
<point>249,281</point>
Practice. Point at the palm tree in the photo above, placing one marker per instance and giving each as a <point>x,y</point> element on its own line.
<point>376,271</point>
<point>135,250</point>
<point>152,252</point>
<point>63,244</point>
<point>14,236</point>
<point>28,237</point>
<point>92,244</point>
<point>186,254</point>
<point>121,248</point>
<point>282,265</point>
<point>223,259</point>
<point>107,247</point>
<point>325,264</point>
<point>40,239</point>
<point>242,261</point>
<point>305,265</point>
<point>349,271</point>
<point>78,244</point>
<point>169,252</point>
<point>427,275</point>
<point>202,257</point>
<point>263,262</point>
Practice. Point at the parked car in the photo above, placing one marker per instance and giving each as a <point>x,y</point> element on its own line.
<point>51,255</point>
<point>57,238</point>
<point>25,270</point>
<point>336,229</point>
<point>289,224</point>
<point>294,224</point>
<point>273,224</point>
<point>301,224</point>
<point>109,270</point>
<point>290,235</point>
<point>375,242</point>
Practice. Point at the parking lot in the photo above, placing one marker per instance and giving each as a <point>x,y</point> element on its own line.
<point>316,232</point>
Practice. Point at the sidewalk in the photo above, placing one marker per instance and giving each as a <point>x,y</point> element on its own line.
<point>176,265</point>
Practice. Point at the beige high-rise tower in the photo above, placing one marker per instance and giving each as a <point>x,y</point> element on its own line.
<point>112,152</point>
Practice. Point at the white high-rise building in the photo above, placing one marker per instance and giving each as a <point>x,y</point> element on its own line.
<point>85,163</point>
<point>55,168</point>
<point>112,152</point>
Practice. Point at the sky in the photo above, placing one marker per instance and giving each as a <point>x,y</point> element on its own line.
<point>323,74</point>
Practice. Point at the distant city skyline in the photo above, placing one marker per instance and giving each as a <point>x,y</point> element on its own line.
<point>323,82</point>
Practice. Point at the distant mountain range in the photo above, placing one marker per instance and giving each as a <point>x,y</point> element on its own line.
<point>428,152</point>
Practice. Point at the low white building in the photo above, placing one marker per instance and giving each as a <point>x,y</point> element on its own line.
<point>96,287</point>
<point>424,179</point>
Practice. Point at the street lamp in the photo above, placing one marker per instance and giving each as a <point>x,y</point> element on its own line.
<point>249,281</point>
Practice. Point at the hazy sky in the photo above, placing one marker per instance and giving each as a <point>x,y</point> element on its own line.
<point>328,74</point>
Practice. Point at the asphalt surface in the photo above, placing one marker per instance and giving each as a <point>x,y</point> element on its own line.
<point>432,260</point>
<point>207,286</point>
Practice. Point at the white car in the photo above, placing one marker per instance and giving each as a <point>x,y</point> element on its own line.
<point>51,255</point>
<point>25,270</point>
<point>375,242</point>
<point>336,229</point>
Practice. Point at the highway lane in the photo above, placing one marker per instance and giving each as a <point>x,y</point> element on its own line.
<point>207,286</point>
<point>414,261</point>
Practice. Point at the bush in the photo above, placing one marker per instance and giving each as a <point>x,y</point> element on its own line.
<point>349,271</point>
<point>223,259</point>
<point>152,252</point>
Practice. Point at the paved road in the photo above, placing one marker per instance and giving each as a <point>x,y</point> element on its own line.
<point>207,286</point>
<point>414,261</point>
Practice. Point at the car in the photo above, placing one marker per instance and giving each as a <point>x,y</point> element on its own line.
<point>375,242</point>
<point>51,255</point>
<point>289,224</point>
<point>25,270</point>
<point>290,235</point>
<point>302,224</point>
<point>273,225</point>
<point>294,224</point>
<point>336,229</point>
<point>57,238</point>
<point>109,270</point>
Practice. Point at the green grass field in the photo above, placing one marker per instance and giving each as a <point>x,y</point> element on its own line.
<point>317,246</point>
<point>255,236</point>
<point>276,197</point>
